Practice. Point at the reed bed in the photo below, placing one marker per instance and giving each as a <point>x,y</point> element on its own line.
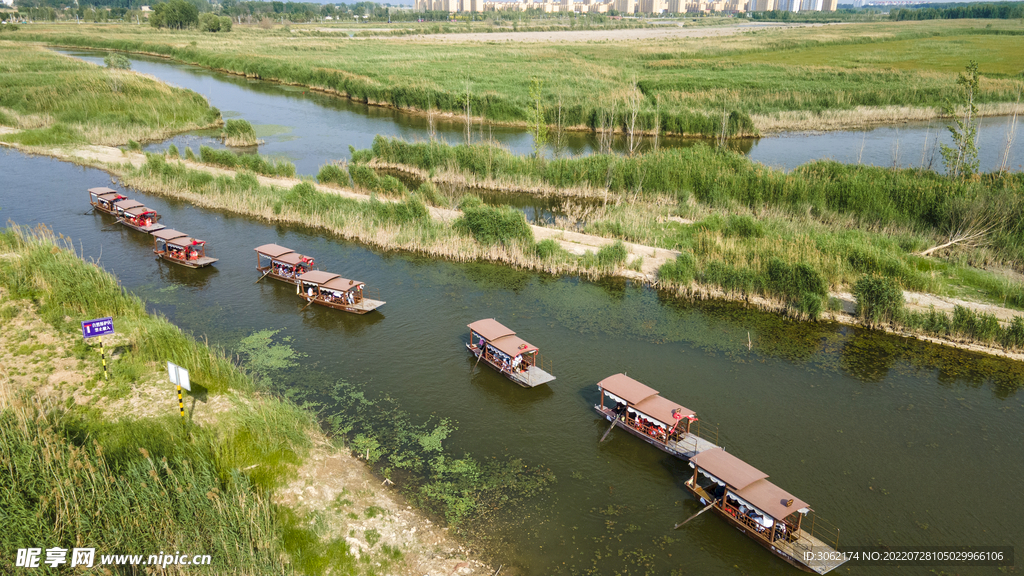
<point>686,85</point>
<point>58,100</point>
<point>239,133</point>
<point>251,162</point>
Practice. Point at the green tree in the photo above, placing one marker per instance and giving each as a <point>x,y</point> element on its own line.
<point>177,14</point>
<point>209,22</point>
<point>538,123</point>
<point>961,159</point>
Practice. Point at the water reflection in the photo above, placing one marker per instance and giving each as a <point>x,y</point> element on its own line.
<point>312,129</point>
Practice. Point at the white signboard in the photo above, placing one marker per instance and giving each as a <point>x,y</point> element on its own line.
<point>178,375</point>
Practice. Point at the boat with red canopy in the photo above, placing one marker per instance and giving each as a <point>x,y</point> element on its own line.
<point>180,248</point>
<point>641,411</point>
<point>134,215</point>
<point>333,291</point>
<point>772,517</point>
<point>282,263</point>
<point>103,199</point>
<point>515,358</point>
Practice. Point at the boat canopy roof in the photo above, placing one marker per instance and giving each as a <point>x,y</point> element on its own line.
<point>339,283</point>
<point>292,258</point>
<point>626,388</point>
<point>772,500</point>
<point>186,241</point>
<point>513,345</point>
<point>109,196</point>
<point>168,234</point>
<point>140,211</point>
<point>728,468</point>
<point>318,277</point>
<point>273,250</point>
<point>490,329</point>
<point>101,191</point>
<point>127,204</point>
<point>661,408</point>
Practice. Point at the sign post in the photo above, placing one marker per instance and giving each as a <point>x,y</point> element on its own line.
<point>97,328</point>
<point>179,377</point>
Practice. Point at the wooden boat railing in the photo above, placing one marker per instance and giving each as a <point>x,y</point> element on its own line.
<point>821,532</point>
<point>371,293</point>
<point>542,363</point>
<point>706,431</point>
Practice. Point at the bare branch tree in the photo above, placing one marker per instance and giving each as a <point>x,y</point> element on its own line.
<point>972,228</point>
<point>1011,132</point>
<point>634,100</point>
<point>469,118</point>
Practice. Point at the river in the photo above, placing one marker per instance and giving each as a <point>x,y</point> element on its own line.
<point>895,441</point>
<point>312,129</point>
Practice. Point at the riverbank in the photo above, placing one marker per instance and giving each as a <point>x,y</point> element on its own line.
<point>569,253</point>
<point>264,488</point>
<point>751,87</point>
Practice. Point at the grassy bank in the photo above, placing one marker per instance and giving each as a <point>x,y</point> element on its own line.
<point>736,219</point>
<point>56,100</point>
<point>134,479</point>
<point>680,85</point>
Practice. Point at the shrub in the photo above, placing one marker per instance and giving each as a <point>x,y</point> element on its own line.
<point>549,249</point>
<point>879,299</point>
<point>681,270</point>
<point>495,225</point>
<point>172,150</point>
<point>209,22</point>
<point>332,174</point>
<point>1013,336</point>
<point>239,133</point>
<point>225,24</point>
<point>117,61</point>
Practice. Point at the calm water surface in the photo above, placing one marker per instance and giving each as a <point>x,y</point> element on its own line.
<point>312,129</point>
<point>895,441</point>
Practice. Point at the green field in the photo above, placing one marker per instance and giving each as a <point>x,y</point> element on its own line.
<point>685,84</point>
<point>58,100</point>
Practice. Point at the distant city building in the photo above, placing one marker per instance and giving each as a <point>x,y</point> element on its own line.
<point>627,6</point>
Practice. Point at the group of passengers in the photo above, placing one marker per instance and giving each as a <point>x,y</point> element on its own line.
<point>506,362</point>
<point>141,221</point>
<point>758,520</point>
<point>641,423</point>
<point>287,271</point>
<point>346,297</point>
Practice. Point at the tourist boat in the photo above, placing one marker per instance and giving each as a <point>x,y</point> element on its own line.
<point>769,515</point>
<point>103,199</point>
<point>282,263</point>
<point>639,410</point>
<point>180,248</point>
<point>333,291</point>
<point>134,215</point>
<point>515,358</point>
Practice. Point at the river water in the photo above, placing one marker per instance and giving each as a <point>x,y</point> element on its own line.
<point>895,441</point>
<point>312,129</point>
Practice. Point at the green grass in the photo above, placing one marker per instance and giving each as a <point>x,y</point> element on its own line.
<point>253,162</point>
<point>60,100</point>
<point>239,133</point>
<point>688,82</point>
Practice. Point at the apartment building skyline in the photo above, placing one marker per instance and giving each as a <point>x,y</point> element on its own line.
<point>627,6</point>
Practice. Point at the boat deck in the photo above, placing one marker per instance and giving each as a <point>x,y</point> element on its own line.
<point>689,445</point>
<point>531,377</point>
<point>200,263</point>
<point>806,543</point>
<point>366,305</point>
<point>147,229</point>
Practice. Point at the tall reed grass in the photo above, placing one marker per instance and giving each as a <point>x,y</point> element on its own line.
<point>253,162</point>
<point>79,102</point>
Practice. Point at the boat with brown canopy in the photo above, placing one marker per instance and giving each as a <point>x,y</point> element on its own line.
<point>103,199</point>
<point>333,291</point>
<point>180,248</point>
<point>134,215</point>
<point>772,517</point>
<point>282,263</point>
<point>641,411</point>
<point>515,358</point>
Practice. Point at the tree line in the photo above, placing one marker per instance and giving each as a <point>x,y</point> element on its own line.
<point>1003,10</point>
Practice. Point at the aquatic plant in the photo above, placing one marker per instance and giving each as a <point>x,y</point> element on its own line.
<point>879,299</point>
<point>238,132</point>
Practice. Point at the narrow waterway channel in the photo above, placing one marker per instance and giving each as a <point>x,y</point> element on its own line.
<point>312,129</point>
<point>895,441</point>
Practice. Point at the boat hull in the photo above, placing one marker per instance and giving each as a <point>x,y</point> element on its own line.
<point>527,379</point>
<point>688,445</point>
<point>100,208</point>
<point>145,229</point>
<point>365,306</point>
<point>200,263</point>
